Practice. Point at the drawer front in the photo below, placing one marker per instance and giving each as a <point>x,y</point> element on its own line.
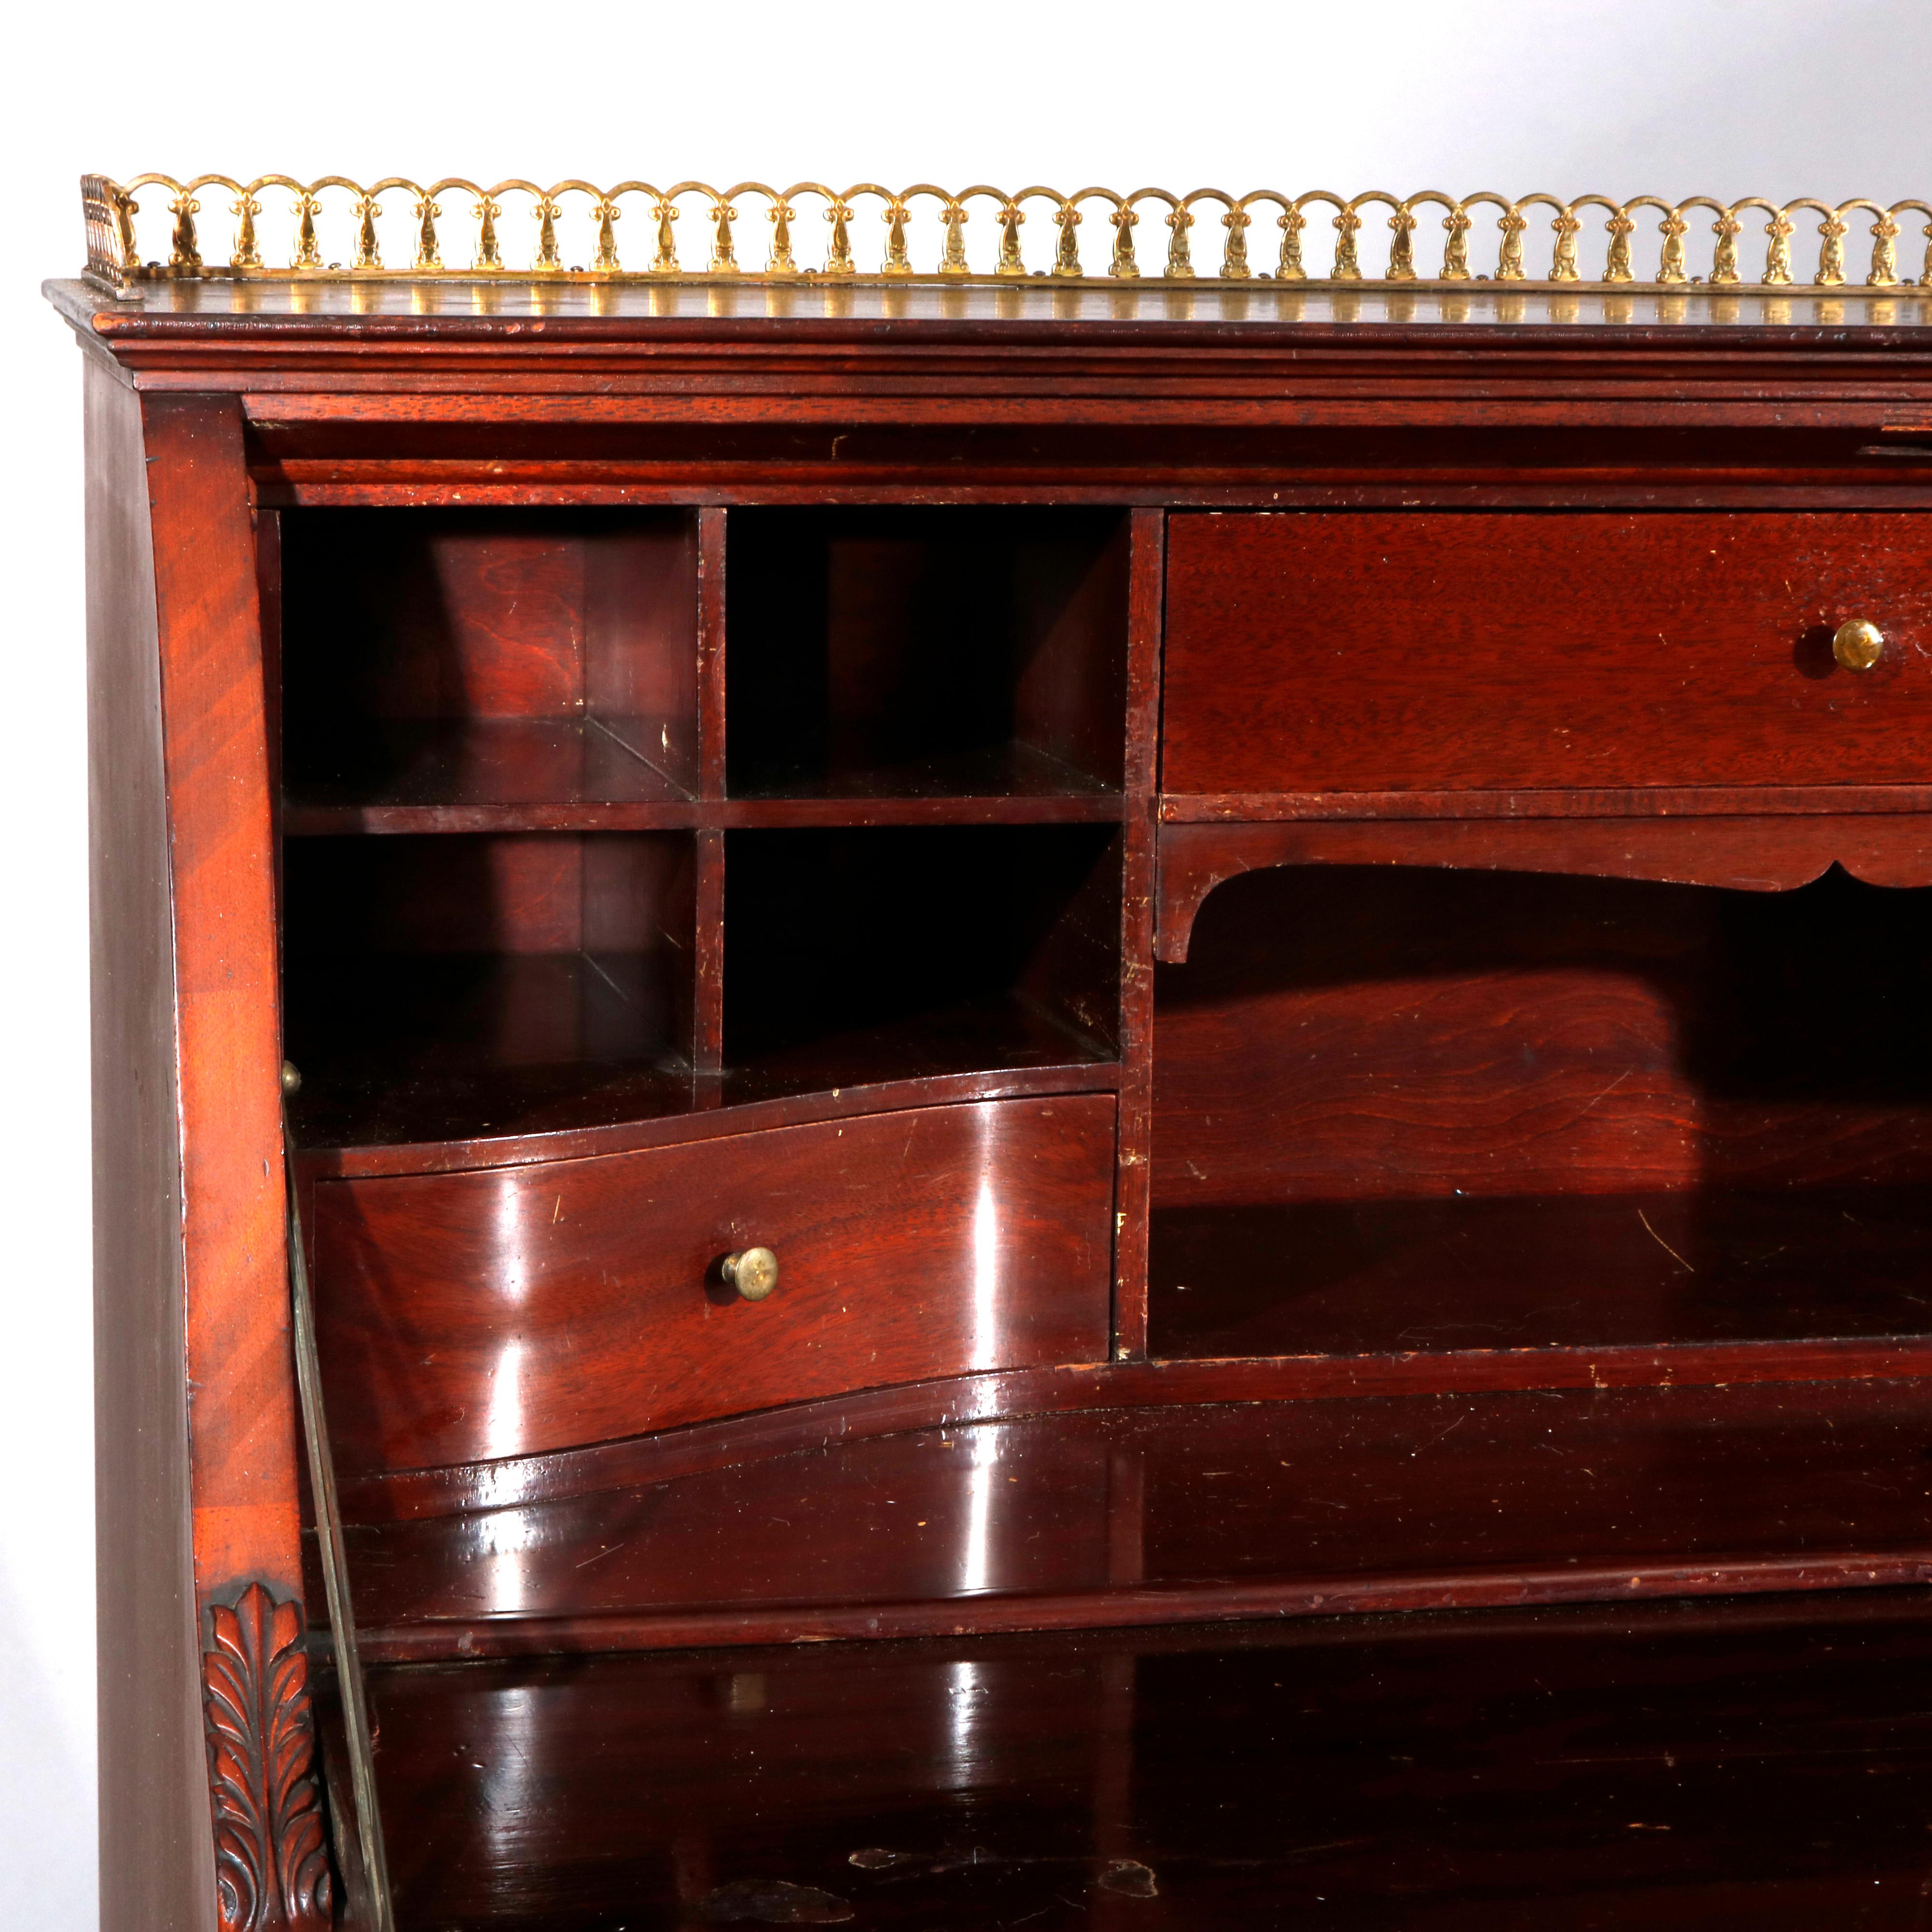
<point>474,1315</point>
<point>1353,651</point>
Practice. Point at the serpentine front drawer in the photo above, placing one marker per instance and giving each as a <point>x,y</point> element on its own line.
<point>469,1316</point>
<point>1360,651</point>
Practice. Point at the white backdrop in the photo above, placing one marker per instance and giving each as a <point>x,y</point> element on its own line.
<point>1776,98</point>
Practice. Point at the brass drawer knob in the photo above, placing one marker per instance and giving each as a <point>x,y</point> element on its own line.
<point>1857,645</point>
<point>753,1272</point>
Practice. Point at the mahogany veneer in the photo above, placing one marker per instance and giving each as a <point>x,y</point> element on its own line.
<point>394,627</point>
<point>1411,1108</point>
<point>1675,1767</point>
<point>1135,1515</point>
<point>1380,653</point>
<point>693,775</point>
<point>565,1288</point>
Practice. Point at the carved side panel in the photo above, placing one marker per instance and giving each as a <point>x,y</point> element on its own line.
<point>271,1864</point>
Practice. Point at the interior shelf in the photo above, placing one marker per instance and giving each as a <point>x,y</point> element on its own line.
<point>843,945</point>
<point>1011,784</point>
<point>482,660</point>
<point>561,774</point>
<point>1008,770</point>
<point>477,1044</point>
<point>915,755</point>
<point>1551,1271</point>
<point>918,653</point>
<point>1404,1109</point>
<point>439,988</point>
<point>485,1046</point>
<point>493,774</point>
<point>468,984</point>
<point>1195,1509</point>
<point>997,1033</point>
<point>1683,1767</point>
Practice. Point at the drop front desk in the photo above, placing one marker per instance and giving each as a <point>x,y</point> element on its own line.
<point>1003,998</point>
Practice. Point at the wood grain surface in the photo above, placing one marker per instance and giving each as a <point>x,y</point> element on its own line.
<point>154,1788</point>
<point>496,1314</point>
<point>241,1396</point>
<point>1748,852</point>
<point>1374,652</point>
<point>1188,1511</point>
<point>632,1461</point>
<point>1681,1768</point>
<point>1485,570</point>
<point>1767,1271</point>
<point>877,651</point>
<point>1400,1107</point>
<point>1139,920</point>
<point>1409,1031</point>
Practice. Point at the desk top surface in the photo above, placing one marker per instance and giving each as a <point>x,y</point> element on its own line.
<point>568,304</point>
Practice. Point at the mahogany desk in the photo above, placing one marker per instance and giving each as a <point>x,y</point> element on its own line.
<point>1296,922</point>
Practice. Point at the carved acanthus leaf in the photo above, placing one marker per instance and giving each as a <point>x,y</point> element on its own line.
<point>271,1862</point>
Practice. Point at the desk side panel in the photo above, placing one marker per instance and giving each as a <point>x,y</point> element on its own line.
<point>271,1865</point>
<point>157,1862</point>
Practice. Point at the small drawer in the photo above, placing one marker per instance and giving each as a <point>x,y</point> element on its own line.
<point>468,1316</point>
<point>1360,652</point>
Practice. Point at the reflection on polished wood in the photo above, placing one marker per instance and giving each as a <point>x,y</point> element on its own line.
<point>1145,1515</point>
<point>495,1314</point>
<point>1677,1768</point>
<point>1526,1274</point>
<point>411,1495</point>
<point>383,1105</point>
<point>1402,1108</point>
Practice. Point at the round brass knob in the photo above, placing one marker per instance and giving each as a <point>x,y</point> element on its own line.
<point>1857,645</point>
<point>753,1272</point>
<point>291,1077</point>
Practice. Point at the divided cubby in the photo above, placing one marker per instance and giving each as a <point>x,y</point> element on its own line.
<point>526,820</point>
<point>924,652</point>
<point>485,659</point>
<point>854,955</point>
<point>454,984</point>
<point>1399,1109</point>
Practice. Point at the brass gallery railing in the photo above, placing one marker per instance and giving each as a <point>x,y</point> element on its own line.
<point>466,206</point>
